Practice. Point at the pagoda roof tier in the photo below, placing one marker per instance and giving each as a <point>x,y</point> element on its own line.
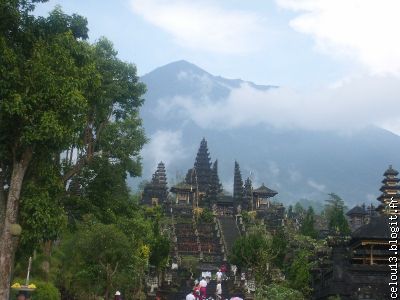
<point>357,210</point>
<point>386,180</point>
<point>389,187</point>
<point>390,171</point>
<point>265,191</point>
<point>388,196</point>
<point>376,229</point>
<point>182,187</point>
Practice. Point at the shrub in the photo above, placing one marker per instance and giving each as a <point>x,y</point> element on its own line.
<point>46,291</point>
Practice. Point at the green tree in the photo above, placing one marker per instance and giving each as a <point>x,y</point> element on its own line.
<point>299,209</point>
<point>59,93</point>
<point>308,224</point>
<point>299,273</point>
<point>334,212</point>
<point>254,250</point>
<point>104,257</point>
<point>279,246</point>
<point>41,107</point>
<point>160,248</point>
<point>113,127</point>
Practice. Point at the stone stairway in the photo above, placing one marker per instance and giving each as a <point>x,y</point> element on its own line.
<point>229,230</point>
<point>211,288</point>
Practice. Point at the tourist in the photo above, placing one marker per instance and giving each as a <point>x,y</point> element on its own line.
<point>22,296</point>
<point>219,275</point>
<point>190,296</point>
<point>158,296</point>
<point>234,269</point>
<point>117,295</point>
<point>196,290</point>
<point>203,288</point>
<point>218,291</point>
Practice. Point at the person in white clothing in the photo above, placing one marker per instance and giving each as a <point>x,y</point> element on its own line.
<point>218,291</point>
<point>219,275</point>
<point>190,296</point>
<point>203,288</point>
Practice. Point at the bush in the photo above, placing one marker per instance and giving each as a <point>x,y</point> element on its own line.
<point>46,291</point>
<point>278,292</point>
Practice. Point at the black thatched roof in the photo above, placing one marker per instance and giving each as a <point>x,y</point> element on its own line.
<point>225,199</point>
<point>389,187</point>
<point>390,171</point>
<point>263,190</point>
<point>182,186</point>
<point>386,180</point>
<point>377,229</point>
<point>356,210</point>
<point>388,196</point>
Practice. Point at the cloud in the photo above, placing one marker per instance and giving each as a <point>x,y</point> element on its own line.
<point>319,187</point>
<point>364,30</point>
<point>354,104</point>
<point>164,145</point>
<point>202,25</point>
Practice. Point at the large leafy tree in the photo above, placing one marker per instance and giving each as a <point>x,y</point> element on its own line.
<point>334,213</point>
<point>59,93</point>
<point>299,272</point>
<point>308,224</point>
<point>103,255</point>
<point>255,250</point>
<point>41,107</point>
<point>112,126</point>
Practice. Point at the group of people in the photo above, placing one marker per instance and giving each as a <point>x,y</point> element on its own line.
<point>199,291</point>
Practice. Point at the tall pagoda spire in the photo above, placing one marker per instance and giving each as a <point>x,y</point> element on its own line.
<point>202,167</point>
<point>215,185</point>
<point>237,186</point>
<point>160,176</point>
<point>248,195</point>
<point>390,189</point>
<point>156,191</point>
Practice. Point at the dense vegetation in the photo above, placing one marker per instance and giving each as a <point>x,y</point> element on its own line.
<point>70,133</point>
<point>282,262</point>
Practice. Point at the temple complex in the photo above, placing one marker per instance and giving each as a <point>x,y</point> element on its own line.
<point>359,266</point>
<point>205,221</point>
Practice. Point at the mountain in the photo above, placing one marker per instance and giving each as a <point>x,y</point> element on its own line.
<point>297,163</point>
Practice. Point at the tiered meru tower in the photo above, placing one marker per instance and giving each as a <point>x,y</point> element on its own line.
<point>390,191</point>
<point>237,187</point>
<point>200,175</point>
<point>156,192</point>
<point>215,185</point>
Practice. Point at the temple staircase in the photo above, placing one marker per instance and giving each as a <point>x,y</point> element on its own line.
<point>211,288</point>
<point>229,231</point>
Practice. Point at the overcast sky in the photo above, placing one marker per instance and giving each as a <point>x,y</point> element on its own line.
<point>340,56</point>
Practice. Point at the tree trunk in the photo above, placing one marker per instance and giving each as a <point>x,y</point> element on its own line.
<point>2,199</point>
<point>47,256</point>
<point>8,244</point>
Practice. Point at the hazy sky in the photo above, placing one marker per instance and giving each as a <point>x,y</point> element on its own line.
<point>329,55</point>
<point>253,40</point>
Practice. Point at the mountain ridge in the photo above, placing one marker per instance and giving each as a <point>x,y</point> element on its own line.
<point>297,163</point>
